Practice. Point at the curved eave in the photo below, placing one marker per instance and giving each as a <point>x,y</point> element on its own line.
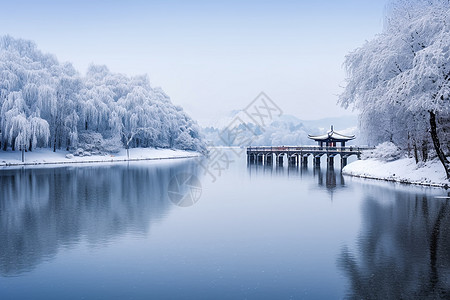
<point>318,137</point>
<point>333,136</point>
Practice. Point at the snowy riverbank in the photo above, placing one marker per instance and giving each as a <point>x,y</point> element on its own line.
<point>403,170</point>
<point>48,157</point>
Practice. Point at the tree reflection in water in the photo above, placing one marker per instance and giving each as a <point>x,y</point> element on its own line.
<point>403,249</point>
<point>42,210</point>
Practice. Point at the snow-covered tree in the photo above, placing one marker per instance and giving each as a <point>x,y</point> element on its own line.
<point>45,103</point>
<point>400,80</point>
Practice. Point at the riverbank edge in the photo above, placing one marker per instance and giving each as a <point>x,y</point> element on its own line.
<point>402,181</point>
<point>393,179</point>
<point>101,159</point>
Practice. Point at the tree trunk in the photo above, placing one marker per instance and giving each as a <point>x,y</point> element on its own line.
<point>424,150</point>
<point>437,144</point>
<point>409,145</point>
<point>416,154</point>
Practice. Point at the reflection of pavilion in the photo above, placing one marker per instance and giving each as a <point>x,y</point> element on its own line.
<point>332,179</point>
<point>329,178</point>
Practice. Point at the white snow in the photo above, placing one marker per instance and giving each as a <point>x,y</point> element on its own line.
<point>47,156</point>
<point>403,170</point>
<point>396,80</point>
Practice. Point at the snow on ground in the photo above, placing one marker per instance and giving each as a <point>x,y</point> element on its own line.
<point>403,170</point>
<point>47,156</point>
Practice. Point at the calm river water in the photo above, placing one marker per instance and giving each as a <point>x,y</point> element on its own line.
<point>256,232</point>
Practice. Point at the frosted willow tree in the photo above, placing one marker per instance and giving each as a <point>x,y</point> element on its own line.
<point>400,80</point>
<point>130,110</point>
<point>45,103</point>
<point>26,77</point>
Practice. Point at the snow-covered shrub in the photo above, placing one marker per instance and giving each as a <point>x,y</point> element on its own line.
<point>78,152</point>
<point>94,143</point>
<point>386,151</point>
<point>90,140</point>
<point>112,145</point>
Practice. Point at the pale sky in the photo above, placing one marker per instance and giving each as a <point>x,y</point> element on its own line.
<point>209,57</point>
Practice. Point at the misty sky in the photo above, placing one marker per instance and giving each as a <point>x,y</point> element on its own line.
<point>210,57</point>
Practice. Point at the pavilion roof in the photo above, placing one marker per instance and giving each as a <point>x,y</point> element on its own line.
<point>331,136</point>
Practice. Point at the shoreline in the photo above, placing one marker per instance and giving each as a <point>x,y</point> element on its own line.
<point>403,171</point>
<point>401,181</point>
<point>45,157</point>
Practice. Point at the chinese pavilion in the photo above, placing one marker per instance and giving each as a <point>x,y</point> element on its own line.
<point>331,138</point>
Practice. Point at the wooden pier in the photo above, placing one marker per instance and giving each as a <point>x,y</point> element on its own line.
<point>296,155</point>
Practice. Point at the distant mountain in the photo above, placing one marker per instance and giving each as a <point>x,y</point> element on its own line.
<point>339,123</point>
<point>285,130</point>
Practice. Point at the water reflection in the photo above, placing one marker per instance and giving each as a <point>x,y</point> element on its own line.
<point>326,177</point>
<point>403,249</point>
<point>42,210</point>
<point>332,180</point>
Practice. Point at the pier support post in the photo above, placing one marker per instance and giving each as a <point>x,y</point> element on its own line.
<point>280,160</point>
<point>260,159</point>
<point>330,161</point>
<point>317,161</point>
<point>343,162</point>
<point>305,161</point>
<point>269,159</point>
<point>292,161</point>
